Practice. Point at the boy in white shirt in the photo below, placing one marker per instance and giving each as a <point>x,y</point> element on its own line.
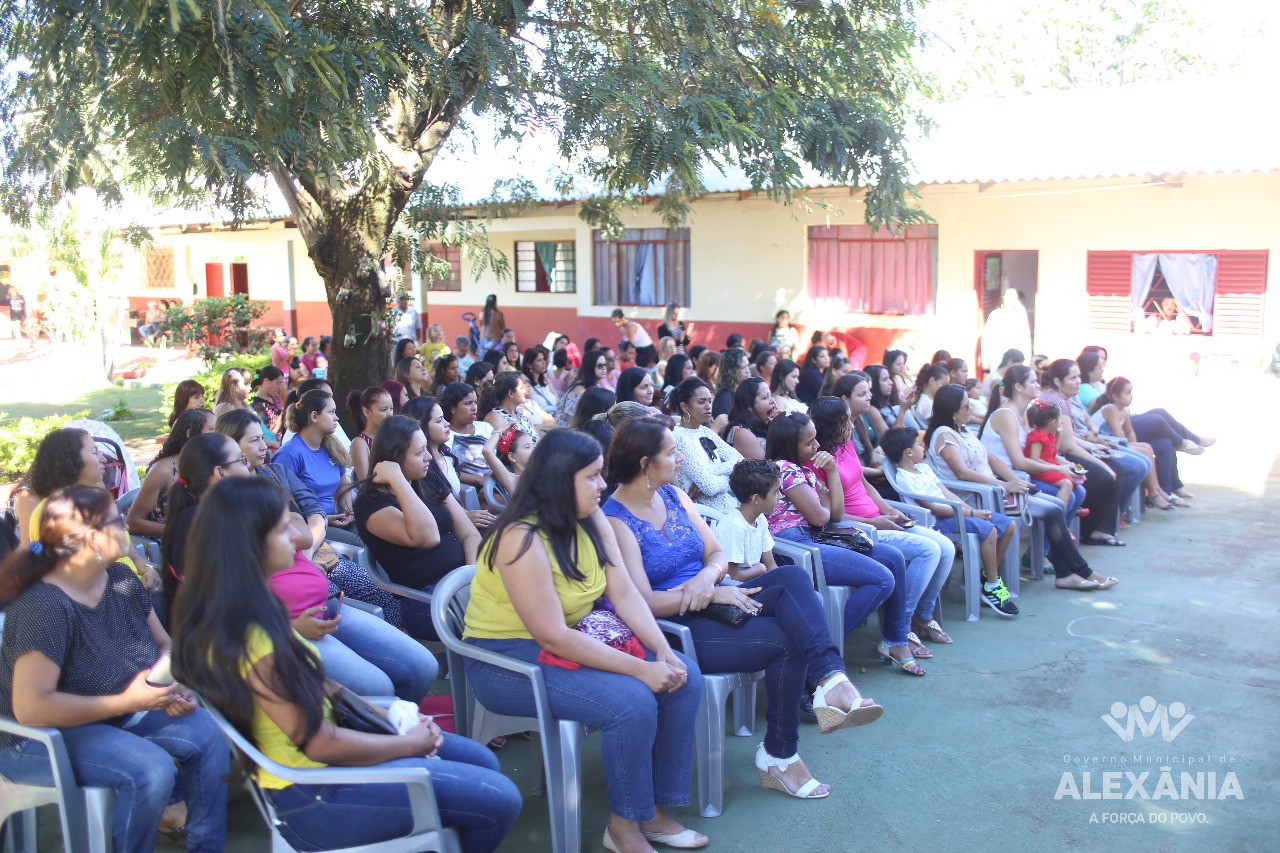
<point>744,536</point>
<point>902,446</point>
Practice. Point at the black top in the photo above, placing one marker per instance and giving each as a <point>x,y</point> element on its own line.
<point>810,384</point>
<point>682,339</point>
<point>404,564</point>
<point>722,403</point>
<point>181,530</point>
<point>99,650</point>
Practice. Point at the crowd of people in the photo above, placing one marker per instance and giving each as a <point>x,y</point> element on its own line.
<point>651,479</point>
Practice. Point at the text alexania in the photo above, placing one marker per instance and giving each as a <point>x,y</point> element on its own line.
<point>1126,785</point>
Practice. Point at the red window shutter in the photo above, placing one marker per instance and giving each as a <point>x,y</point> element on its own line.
<point>1242,272</point>
<point>1110,274</point>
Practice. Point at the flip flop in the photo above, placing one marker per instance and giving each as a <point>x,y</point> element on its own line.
<point>1106,539</point>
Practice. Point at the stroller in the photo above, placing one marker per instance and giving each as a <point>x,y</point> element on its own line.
<point>474,333</point>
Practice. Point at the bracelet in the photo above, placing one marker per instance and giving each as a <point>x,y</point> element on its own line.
<point>721,571</point>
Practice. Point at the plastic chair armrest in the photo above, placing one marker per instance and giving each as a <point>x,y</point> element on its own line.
<point>919,514</point>
<point>803,556</point>
<point>682,635</point>
<point>363,605</point>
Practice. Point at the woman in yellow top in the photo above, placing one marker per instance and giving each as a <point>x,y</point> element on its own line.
<point>233,643</point>
<point>548,559</point>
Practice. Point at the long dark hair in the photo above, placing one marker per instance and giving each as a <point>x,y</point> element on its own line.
<point>830,418</point>
<point>57,464</point>
<point>477,372</point>
<point>784,368</point>
<point>811,358</point>
<point>390,445</point>
<point>68,515</point>
<point>393,388</point>
<point>743,413</point>
<point>403,366</point>
<point>451,396</point>
<point>927,374</point>
<point>892,355</point>
<point>397,355</point>
<point>234,423</point>
<point>587,372</point>
<point>731,361</point>
<point>196,462</point>
<point>594,401</point>
<point>634,440</point>
<point>878,399</point>
<point>225,599</point>
<point>545,493</point>
<point>438,379</point>
<point>419,409</point>
<point>674,373</point>
<point>1088,360</point>
<point>1108,397</point>
<point>526,365</point>
<point>1056,371</point>
<point>182,395</point>
<point>188,425</point>
<point>628,381</point>
<point>783,443</point>
<point>269,373</point>
<point>1015,375</point>
<point>496,393</point>
<point>945,405</point>
<point>358,401</point>
<point>490,305</point>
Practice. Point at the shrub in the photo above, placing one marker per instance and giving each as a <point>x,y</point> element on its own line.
<point>19,440</point>
<point>218,326</point>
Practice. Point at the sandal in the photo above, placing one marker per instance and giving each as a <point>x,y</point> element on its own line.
<point>831,718</point>
<point>933,631</point>
<point>917,648</point>
<point>765,763</point>
<point>1183,493</point>
<point>1102,581</point>
<point>1075,582</point>
<point>1104,539</point>
<point>907,664</point>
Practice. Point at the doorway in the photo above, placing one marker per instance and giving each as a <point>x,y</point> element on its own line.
<point>998,271</point>
<point>240,279</point>
<point>213,284</point>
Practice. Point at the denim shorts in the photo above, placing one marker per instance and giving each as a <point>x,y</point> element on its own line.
<point>999,523</point>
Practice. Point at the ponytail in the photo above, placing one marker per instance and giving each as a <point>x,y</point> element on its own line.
<point>1014,375</point>
<point>66,517</point>
<point>503,385</point>
<point>196,462</point>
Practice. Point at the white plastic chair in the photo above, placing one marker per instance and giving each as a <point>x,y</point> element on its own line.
<point>469,497</point>
<point>84,813</point>
<point>356,555</point>
<point>494,495</point>
<point>427,832</point>
<point>991,497</point>
<point>561,740</point>
<point>149,548</point>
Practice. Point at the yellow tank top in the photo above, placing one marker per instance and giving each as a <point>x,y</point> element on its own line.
<point>267,736</point>
<point>492,616</point>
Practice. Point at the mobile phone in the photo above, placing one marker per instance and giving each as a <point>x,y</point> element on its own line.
<point>332,607</point>
<point>160,674</point>
<point>908,524</point>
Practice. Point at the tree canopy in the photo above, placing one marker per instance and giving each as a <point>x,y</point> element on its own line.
<point>346,104</point>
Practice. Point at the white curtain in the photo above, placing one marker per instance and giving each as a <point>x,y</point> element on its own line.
<point>1144,268</point>
<point>1192,279</point>
<point>642,280</point>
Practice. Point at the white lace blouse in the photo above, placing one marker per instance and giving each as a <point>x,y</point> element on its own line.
<point>710,476</point>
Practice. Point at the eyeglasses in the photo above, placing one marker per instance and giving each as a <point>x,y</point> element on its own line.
<point>709,446</point>
<point>118,521</point>
<point>242,459</point>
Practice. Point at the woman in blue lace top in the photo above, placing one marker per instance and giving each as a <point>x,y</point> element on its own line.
<point>678,566</point>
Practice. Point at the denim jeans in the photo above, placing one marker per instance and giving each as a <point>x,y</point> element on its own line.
<point>472,794</point>
<point>929,556</point>
<point>788,639</point>
<point>373,658</point>
<point>137,762</point>
<point>646,738</point>
<point>870,576</point>
<point>1136,467</point>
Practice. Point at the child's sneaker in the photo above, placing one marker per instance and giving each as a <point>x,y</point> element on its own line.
<point>998,599</point>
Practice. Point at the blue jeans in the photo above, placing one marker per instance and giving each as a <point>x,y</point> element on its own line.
<point>646,738</point>
<point>999,523</point>
<point>929,556</point>
<point>1135,465</point>
<point>372,658</point>
<point>472,794</point>
<point>872,580</point>
<point>788,639</point>
<point>137,762</point>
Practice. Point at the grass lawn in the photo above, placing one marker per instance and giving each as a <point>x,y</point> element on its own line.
<point>143,401</point>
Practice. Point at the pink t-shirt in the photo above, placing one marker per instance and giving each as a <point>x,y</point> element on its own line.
<point>785,515</point>
<point>300,586</point>
<point>857,502</point>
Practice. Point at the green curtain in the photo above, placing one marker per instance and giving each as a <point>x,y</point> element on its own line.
<point>547,254</point>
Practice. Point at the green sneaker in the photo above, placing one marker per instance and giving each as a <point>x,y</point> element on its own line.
<point>999,600</point>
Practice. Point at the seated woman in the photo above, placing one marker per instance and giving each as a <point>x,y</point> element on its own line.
<point>593,402</point>
<point>150,508</point>
<point>749,417</point>
<point>886,410</point>
<point>928,381</point>
<point>735,367</point>
<point>878,578</point>
<point>563,371</point>
<point>368,408</point>
<point>315,456</point>
<point>307,512</point>
<point>678,567</point>
<point>269,387</point>
<point>360,650</point>
<point>270,684</point>
<point>706,459</point>
<point>636,385</point>
<point>500,403</point>
<point>1060,382</point>
<point>534,366</point>
<point>460,407</point>
<point>427,412</point>
<point>928,554</point>
<point>1110,417</point>
<point>188,395</point>
<point>786,377</point>
<point>544,568</point>
<point>594,370</point>
<point>679,368</point>
<point>413,376</point>
<point>814,372</point>
<point>532,408</point>
<point>80,639</point>
<point>409,519</point>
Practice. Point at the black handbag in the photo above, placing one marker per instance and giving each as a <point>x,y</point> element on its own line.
<point>852,540</point>
<point>351,711</point>
<point>729,614</point>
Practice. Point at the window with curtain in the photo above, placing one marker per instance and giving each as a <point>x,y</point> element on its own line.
<point>647,266</point>
<point>546,266</point>
<point>438,279</point>
<point>868,271</point>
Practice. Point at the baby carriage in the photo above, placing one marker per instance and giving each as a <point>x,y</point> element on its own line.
<point>474,334</point>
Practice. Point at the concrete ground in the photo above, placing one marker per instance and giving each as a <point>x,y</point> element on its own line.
<point>973,756</point>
